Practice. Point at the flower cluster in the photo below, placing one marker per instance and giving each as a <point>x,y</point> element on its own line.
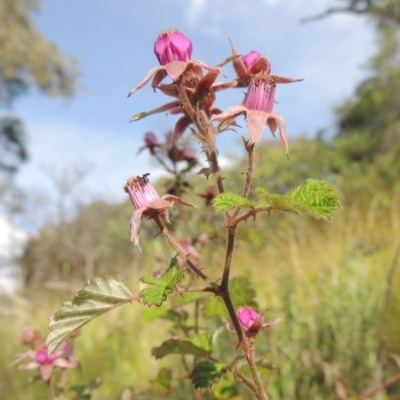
<point>195,91</point>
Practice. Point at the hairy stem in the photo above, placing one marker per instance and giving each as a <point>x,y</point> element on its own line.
<point>177,247</point>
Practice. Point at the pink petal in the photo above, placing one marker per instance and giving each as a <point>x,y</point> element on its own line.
<point>46,371</point>
<point>165,107</point>
<point>199,63</point>
<point>158,77</point>
<point>64,363</point>
<point>175,69</point>
<point>282,131</point>
<point>283,79</point>
<point>135,225</point>
<point>228,326</point>
<point>180,127</point>
<point>160,204</point>
<point>230,113</point>
<point>269,324</point>
<point>171,198</point>
<point>169,89</point>
<point>31,365</point>
<point>256,121</point>
<point>247,316</point>
<point>262,64</point>
<point>238,64</point>
<point>146,78</point>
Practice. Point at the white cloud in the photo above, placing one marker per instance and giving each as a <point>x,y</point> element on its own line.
<point>195,11</point>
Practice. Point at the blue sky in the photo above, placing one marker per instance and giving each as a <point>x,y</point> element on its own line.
<point>113,44</point>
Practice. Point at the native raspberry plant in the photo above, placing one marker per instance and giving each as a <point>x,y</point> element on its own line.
<point>185,291</point>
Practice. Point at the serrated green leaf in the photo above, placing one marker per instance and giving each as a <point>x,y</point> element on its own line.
<point>198,347</point>
<point>162,385</point>
<point>97,297</point>
<point>164,285</point>
<point>226,201</point>
<point>315,197</point>
<point>242,294</point>
<point>206,373</point>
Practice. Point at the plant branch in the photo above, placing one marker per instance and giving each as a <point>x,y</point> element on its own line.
<point>249,172</point>
<point>371,392</point>
<point>178,248</point>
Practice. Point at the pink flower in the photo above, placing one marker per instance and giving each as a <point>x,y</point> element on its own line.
<point>47,362</point>
<point>173,50</point>
<point>251,321</point>
<point>172,46</point>
<point>253,63</point>
<point>151,143</point>
<point>257,107</point>
<point>148,204</point>
<point>247,317</point>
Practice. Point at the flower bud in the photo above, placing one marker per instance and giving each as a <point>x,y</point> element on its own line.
<point>27,335</point>
<point>250,59</point>
<point>172,46</point>
<point>150,139</point>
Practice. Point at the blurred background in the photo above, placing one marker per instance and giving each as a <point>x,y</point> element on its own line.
<point>67,148</point>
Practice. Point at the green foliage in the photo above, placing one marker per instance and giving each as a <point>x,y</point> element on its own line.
<point>226,201</point>
<point>328,334</point>
<point>27,57</point>
<point>164,285</point>
<point>84,392</point>
<point>242,294</point>
<point>206,373</point>
<point>314,197</point>
<point>200,346</point>
<point>162,385</point>
<point>100,295</point>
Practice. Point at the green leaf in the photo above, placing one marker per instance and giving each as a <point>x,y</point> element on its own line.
<point>199,346</point>
<point>97,297</point>
<point>315,197</point>
<point>206,373</point>
<point>242,294</point>
<point>225,201</point>
<point>162,385</point>
<point>226,388</point>
<point>164,285</point>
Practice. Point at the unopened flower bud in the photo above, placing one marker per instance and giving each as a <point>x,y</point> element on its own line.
<point>27,335</point>
<point>150,139</point>
<point>172,45</point>
<point>247,316</point>
<point>254,63</point>
<point>250,59</point>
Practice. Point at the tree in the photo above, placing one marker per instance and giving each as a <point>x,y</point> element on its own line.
<point>27,60</point>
